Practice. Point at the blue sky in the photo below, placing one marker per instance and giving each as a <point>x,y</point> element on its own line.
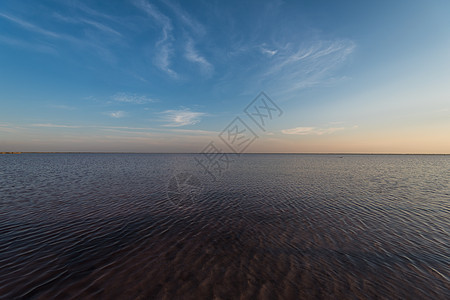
<point>168,76</point>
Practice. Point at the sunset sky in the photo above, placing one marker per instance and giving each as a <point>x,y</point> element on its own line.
<point>169,76</point>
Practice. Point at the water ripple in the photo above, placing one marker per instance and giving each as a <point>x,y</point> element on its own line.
<point>275,227</point>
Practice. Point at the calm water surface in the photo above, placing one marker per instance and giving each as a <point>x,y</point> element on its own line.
<point>102,226</point>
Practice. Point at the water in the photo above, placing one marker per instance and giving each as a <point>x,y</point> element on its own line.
<point>271,227</point>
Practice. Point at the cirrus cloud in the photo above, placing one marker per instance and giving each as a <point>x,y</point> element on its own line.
<point>132,98</point>
<point>311,130</point>
<point>178,118</point>
<point>116,114</point>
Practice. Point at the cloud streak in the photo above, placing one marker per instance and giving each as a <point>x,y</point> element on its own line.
<point>195,26</point>
<point>193,56</point>
<point>178,118</point>
<point>164,45</point>
<point>87,42</point>
<point>49,125</point>
<point>117,114</point>
<point>29,26</point>
<point>267,52</point>
<point>306,66</point>
<point>311,130</point>
<point>281,64</point>
<point>27,45</point>
<point>132,98</point>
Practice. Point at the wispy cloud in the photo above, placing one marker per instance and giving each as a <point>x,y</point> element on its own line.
<point>84,8</point>
<point>161,132</point>
<point>27,45</point>
<point>124,129</point>
<point>195,132</point>
<point>127,128</point>
<point>193,56</point>
<point>164,45</point>
<point>197,30</point>
<point>167,35</point>
<point>95,24</point>
<point>85,42</point>
<point>8,128</point>
<point>116,114</point>
<point>159,17</point>
<point>49,125</point>
<point>291,66</point>
<point>178,118</point>
<point>185,18</point>
<point>63,107</point>
<point>132,98</point>
<point>30,26</point>
<point>101,27</point>
<point>308,65</point>
<point>267,51</point>
<point>163,59</point>
<point>311,130</point>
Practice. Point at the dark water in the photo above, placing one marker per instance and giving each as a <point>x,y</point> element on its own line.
<point>272,227</point>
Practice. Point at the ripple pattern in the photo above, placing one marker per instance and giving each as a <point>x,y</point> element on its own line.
<point>100,226</point>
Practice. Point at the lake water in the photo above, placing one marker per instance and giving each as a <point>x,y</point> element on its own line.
<point>270,227</point>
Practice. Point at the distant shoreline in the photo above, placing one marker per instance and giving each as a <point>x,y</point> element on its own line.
<point>254,153</point>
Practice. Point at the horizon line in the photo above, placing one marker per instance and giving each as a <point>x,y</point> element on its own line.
<point>298,153</point>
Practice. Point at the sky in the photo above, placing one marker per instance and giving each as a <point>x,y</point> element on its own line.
<point>172,76</point>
